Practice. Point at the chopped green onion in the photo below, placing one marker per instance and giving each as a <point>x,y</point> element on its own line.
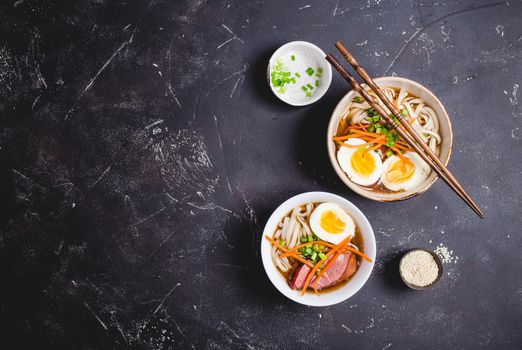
<point>358,99</point>
<point>395,119</point>
<point>321,247</point>
<point>376,118</point>
<point>309,86</point>
<point>311,238</point>
<point>314,255</point>
<point>308,251</point>
<point>292,57</point>
<point>279,77</point>
<point>304,239</point>
<point>405,112</point>
<point>303,88</point>
<point>308,94</point>
<point>317,83</point>
<point>298,75</point>
<point>310,71</point>
<point>319,70</point>
<point>371,112</point>
<point>322,256</point>
<point>283,243</point>
<point>371,128</point>
<point>378,130</point>
<point>389,153</point>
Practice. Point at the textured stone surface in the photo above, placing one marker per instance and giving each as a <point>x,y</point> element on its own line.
<point>141,153</point>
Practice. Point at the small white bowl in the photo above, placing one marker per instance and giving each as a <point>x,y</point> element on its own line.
<point>307,55</point>
<point>330,297</point>
<point>445,131</point>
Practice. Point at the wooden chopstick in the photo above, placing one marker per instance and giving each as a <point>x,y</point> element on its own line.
<point>442,171</point>
<point>368,79</point>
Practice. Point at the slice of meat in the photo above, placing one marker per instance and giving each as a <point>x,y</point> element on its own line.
<point>340,271</point>
<point>351,268</point>
<point>334,274</point>
<point>300,277</point>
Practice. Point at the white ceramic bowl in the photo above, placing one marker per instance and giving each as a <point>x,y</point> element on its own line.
<point>337,295</point>
<point>314,57</point>
<point>445,132</point>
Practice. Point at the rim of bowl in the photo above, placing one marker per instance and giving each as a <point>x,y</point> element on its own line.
<point>338,295</point>
<point>437,260</point>
<point>327,77</point>
<point>398,196</point>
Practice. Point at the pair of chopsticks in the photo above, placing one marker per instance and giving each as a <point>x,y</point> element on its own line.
<point>406,131</point>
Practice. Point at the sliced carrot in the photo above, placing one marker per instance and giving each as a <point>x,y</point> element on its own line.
<point>320,263</point>
<point>400,146</point>
<point>362,255</point>
<point>372,134</point>
<point>283,249</point>
<point>344,137</point>
<point>369,143</point>
<point>358,126</point>
<point>319,242</point>
<point>330,262</point>
<point>336,255</point>
<point>314,270</point>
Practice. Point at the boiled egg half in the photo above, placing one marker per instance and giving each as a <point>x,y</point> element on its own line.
<point>362,166</point>
<point>404,173</point>
<point>331,223</point>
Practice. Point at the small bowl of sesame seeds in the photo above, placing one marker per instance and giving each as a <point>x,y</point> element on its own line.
<point>420,269</point>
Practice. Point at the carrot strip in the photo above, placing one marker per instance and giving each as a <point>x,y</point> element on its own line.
<point>314,270</point>
<point>376,147</point>
<point>330,262</point>
<point>336,255</point>
<point>375,140</point>
<point>362,255</point>
<point>344,137</point>
<point>358,126</point>
<point>280,247</point>
<point>320,263</point>
<point>372,134</point>
<point>399,154</point>
<point>399,146</point>
<point>319,242</point>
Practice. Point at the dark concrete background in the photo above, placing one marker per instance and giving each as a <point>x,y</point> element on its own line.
<point>142,152</point>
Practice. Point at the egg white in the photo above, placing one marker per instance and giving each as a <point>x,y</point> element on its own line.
<point>422,170</point>
<point>319,231</point>
<point>344,158</point>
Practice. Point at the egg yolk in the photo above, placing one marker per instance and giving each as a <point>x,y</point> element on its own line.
<point>332,223</point>
<point>401,171</point>
<point>363,163</point>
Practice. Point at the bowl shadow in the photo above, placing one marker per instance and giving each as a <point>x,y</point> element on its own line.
<point>258,74</point>
<point>311,148</point>
<point>391,275</point>
<point>247,231</point>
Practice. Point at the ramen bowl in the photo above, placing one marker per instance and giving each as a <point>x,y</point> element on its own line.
<point>344,291</point>
<point>445,133</point>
